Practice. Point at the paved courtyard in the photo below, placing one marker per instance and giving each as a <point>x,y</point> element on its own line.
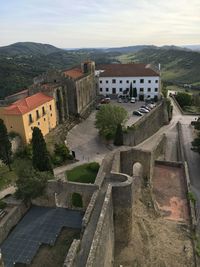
<point>85,140</point>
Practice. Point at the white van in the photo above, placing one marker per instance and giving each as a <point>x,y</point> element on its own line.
<point>132,100</point>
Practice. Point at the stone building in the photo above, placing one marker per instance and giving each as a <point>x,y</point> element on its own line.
<point>74,90</point>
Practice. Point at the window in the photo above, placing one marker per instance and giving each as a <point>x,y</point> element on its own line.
<point>37,114</point>
<point>141,80</point>
<point>51,114</point>
<point>106,81</point>
<point>120,89</point>
<point>149,81</point>
<point>134,81</point>
<point>38,123</point>
<point>127,89</point>
<point>43,111</point>
<point>127,81</point>
<point>141,89</point>
<point>11,127</point>
<point>44,119</point>
<point>30,118</point>
<point>114,90</point>
<point>149,89</point>
<point>50,107</point>
<point>120,81</point>
<point>113,80</point>
<point>156,89</point>
<point>100,81</point>
<point>100,89</point>
<point>156,81</point>
<point>106,89</point>
<point>149,96</point>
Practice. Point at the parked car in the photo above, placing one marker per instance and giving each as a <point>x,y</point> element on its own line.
<point>143,110</point>
<point>132,100</point>
<point>105,101</point>
<point>126,100</point>
<point>119,100</point>
<point>137,113</point>
<point>146,107</point>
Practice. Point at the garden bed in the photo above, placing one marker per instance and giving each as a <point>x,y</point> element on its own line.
<point>85,173</point>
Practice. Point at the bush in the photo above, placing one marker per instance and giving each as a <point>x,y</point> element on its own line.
<point>184,99</point>
<point>93,166</point>
<point>12,135</point>
<point>192,197</point>
<point>25,153</point>
<point>77,200</point>
<point>60,150</point>
<point>2,204</point>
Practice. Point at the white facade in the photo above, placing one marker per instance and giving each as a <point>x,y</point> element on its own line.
<point>146,86</point>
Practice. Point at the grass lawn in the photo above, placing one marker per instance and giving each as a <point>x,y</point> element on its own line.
<point>192,109</point>
<point>85,173</point>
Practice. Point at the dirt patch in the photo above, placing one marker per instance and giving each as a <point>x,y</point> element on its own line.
<point>170,192</point>
<point>48,256</point>
<point>155,242</point>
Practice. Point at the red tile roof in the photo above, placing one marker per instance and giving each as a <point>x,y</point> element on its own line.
<point>126,70</point>
<point>27,104</point>
<point>74,73</point>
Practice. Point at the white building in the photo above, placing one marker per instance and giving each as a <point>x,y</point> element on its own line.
<point>116,79</point>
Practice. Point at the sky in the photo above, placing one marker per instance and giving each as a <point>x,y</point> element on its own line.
<point>100,23</point>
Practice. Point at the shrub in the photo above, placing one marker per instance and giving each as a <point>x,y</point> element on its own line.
<point>62,152</point>
<point>77,200</point>
<point>184,99</point>
<point>25,153</point>
<point>2,204</point>
<point>192,197</point>
<point>93,166</point>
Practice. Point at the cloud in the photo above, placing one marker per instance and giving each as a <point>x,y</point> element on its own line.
<point>100,23</point>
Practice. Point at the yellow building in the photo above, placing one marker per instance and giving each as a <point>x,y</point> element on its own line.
<point>34,111</point>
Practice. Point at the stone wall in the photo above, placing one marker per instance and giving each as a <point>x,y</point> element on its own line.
<point>129,156</point>
<point>122,197</point>
<point>102,248</point>
<point>147,125</point>
<point>59,193</point>
<point>11,219</point>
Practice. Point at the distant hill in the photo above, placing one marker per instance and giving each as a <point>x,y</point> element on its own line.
<point>176,65</point>
<point>193,47</point>
<point>21,62</point>
<point>28,49</point>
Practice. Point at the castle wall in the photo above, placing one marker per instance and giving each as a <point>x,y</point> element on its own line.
<point>59,193</point>
<point>147,125</point>
<point>11,219</point>
<point>102,248</point>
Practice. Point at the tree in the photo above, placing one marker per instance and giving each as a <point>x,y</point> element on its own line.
<point>134,92</point>
<point>107,119</point>
<point>31,183</point>
<point>196,144</point>
<point>131,90</point>
<point>118,141</point>
<point>40,159</point>
<point>184,99</point>
<point>5,145</point>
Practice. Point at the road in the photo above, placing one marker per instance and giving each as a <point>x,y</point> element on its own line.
<point>192,158</point>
